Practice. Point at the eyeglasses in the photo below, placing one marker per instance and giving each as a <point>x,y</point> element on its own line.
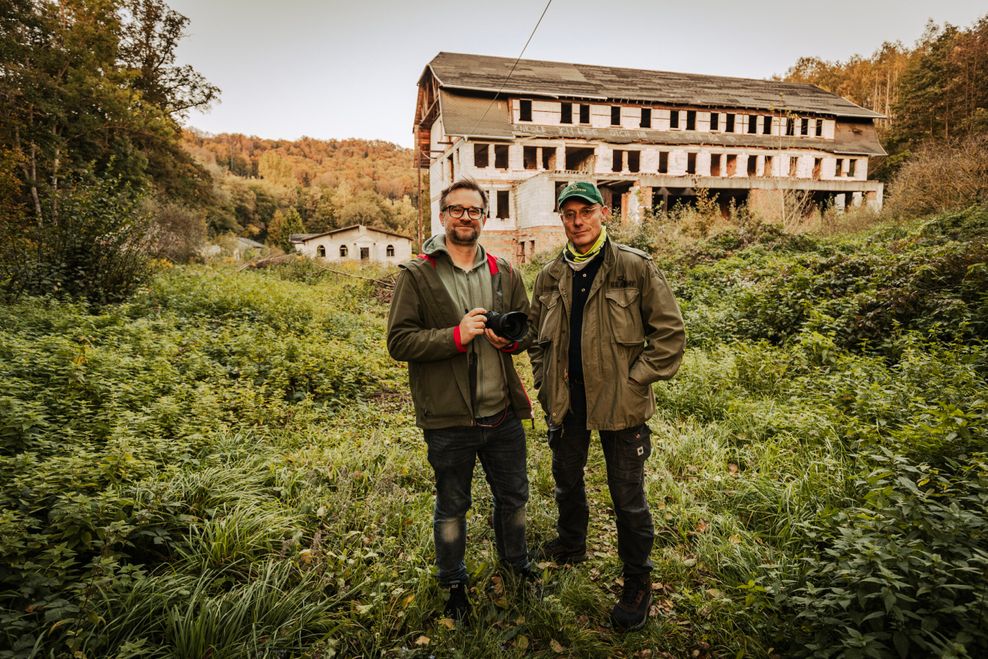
<point>585,213</point>
<point>457,212</point>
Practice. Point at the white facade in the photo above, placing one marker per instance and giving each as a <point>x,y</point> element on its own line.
<point>355,243</point>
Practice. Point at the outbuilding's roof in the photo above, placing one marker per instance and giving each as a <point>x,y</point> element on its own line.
<point>305,237</point>
<point>481,73</point>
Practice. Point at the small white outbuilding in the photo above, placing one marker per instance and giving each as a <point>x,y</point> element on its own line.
<point>355,243</point>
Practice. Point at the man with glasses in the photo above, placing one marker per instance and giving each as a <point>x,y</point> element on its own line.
<point>606,326</point>
<point>468,398</point>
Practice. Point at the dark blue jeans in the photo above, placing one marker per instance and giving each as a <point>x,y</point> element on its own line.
<point>625,452</point>
<point>452,454</point>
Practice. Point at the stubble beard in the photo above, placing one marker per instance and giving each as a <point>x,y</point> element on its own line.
<point>454,236</point>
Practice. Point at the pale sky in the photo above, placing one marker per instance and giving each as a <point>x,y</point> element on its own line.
<point>337,69</point>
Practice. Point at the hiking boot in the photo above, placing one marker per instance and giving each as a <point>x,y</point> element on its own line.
<point>631,611</point>
<point>563,554</point>
<point>458,605</point>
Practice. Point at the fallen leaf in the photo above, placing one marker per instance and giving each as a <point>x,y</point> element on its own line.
<point>448,623</point>
<point>408,600</point>
<point>521,642</point>
<point>732,468</point>
<point>305,556</point>
<point>423,640</point>
<point>556,646</point>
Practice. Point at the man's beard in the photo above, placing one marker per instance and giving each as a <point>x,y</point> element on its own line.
<point>455,238</point>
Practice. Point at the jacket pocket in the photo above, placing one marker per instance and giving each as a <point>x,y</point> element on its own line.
<point>626,318</point>
<point>551,317</point>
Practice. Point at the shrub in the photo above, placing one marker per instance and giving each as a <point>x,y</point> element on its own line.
<point>941,176</point>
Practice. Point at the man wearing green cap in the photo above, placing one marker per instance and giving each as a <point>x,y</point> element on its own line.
<point>605,326</point>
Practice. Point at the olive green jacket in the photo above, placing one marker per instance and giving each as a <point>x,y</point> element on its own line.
<point>633,335</point>
<point>423,330</point>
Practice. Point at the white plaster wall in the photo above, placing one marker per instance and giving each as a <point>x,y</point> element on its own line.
<point>545,112</point>
<point>600,116</point>
<point>355,239</point>
<point>535,203</point>
<point>650,159</point>
<point>631,117</point>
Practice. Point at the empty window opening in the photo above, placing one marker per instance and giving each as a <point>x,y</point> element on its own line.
<point>793,166</point>
<point>767,170</point>
<point>851,164</point>
<point>501,156</point>
<point>729,123</point>
<point>365,253</point>
<point>525,110</point>
<point>790,126</point>
<point>691,163</point>
<point>839,167</point>
<point>584,114</point>
<point>615,115</point>
<point>530,157</point>
<point>819,127</point>
<point>503,204</point>
<point>565,113</point>
<point>389,250</point>
<point>617,162</point>
<point>481,156</point>
<point>343,251</point>
<point>715,164</point>
<point>449,167</point>
<point>691,120</point>
<point>674,119</point>
<point>714,121</point>
<point>634,161</point>
<point>817,164</point>
<point>766,125</point>
<point>732,164</point>
<point>663,162</point>
<point>752,165</point>
<point>646,121</point>
<point>752,124</point>
<point>579,158</point>
<point>321,251</point>
<point>804,126</point>
<point>549,157</point>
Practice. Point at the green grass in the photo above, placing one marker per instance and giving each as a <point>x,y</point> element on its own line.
<point>227,465</point>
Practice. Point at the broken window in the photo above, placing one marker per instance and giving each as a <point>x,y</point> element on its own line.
<point>793,166</point>
<point>752,124</point>
<point>819,127</point>
<point>565,113</point>
<point>633,161</point>
<point>584,114</point>
<point>752,165</point>
<point>691,120</point>
<point>729,123</point>
<point>804,126</point>
<point>767,125</point>
<point>767,170</point>
<point>615,115</point>
<point>715,164</point>
<point>321,251</point>
<point>617,162</point>
<point>501,156</point>
<point>525,110</point>
<point>817,163</point>
<point>674,119</point>
<point>839,167</point>
<point>343,251</point>
<point>714,121</point>
<point>548,157</point>
<point>851,163</point>
<point>579,158</point>
<point>732,164</point>
<point>790,126</point>
<point>530,156</point>
<point>663,162</point>
<point>481,156</point>
<point>503,201</point>
<point>646,121</point>
<point>691,163</point>
<point>389,250</point>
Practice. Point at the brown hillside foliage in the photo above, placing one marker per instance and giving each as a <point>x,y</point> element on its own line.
<point>941,176</point>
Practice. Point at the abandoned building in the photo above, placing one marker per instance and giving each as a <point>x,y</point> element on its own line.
<point>648,139</point>
<point>354,243</point>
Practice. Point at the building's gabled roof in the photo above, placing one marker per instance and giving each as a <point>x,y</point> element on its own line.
<point>481,73</point>
<point>305,237</point>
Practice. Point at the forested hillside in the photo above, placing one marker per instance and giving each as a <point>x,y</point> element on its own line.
<point>325,183</point>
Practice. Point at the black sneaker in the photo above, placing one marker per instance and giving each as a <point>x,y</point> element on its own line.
<point>458,605</point>
<point>631,611</point>
<point>563,554</point>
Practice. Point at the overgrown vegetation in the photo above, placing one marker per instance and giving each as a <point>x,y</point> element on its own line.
<point>227,465</point>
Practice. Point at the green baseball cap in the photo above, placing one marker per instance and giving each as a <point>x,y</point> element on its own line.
<point>582,190</point>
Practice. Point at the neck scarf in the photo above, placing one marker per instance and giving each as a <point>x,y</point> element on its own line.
<point>575,258</point>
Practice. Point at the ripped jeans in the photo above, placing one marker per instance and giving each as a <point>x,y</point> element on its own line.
<point>452,454</point>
